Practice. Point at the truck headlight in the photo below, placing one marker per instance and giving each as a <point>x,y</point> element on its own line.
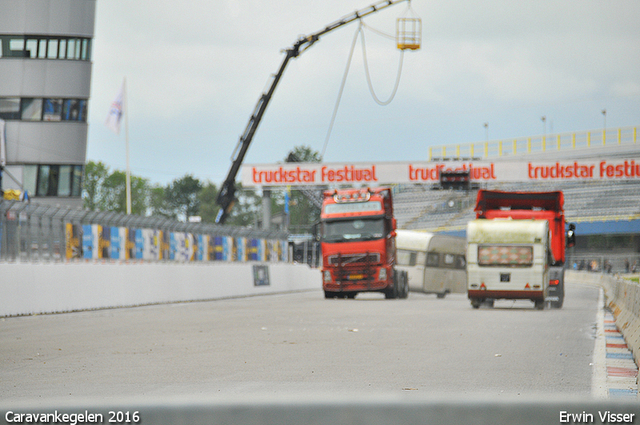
<point>382,274</point>
<point>327,276</point>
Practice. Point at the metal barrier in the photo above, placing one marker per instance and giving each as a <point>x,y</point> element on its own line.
<point>622,298</point>
<point>30,232</point>
<point>537,144</point>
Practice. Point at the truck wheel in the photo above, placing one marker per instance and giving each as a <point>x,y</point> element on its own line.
<point>539,304</point>
<point>441,294</point>
<point>393,292</point>
<point>404,278</point>
<point>489,302</point>
<point>475,303</point>
<point>328,294</point>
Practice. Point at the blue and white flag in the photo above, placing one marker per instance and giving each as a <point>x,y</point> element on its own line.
<point>115,112</point>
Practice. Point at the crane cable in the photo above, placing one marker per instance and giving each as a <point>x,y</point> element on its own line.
<point>371,89</point>
<point>344,80</point>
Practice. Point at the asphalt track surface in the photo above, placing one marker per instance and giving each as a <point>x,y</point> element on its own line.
<point>303,344</point>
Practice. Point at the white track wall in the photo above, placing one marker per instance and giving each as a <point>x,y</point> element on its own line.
<point>63,287</point>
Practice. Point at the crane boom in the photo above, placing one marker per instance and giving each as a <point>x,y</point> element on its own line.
<point>226,196</point>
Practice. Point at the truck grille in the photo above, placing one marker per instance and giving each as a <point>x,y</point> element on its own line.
<point>353,259</point>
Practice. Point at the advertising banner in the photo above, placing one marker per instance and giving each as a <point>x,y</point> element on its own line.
<point>104,242</point>
<point>252,249</point>
<point>262,250</point>
<point>227,248</point>
<point>139,247</point>
<point>130,244</point>
<point>72,239</point>
<point>182,246</point>
<point>151,244</point>
<point>118,243</point>
<point>284,251</point>
<point>218,248</point>
<point>203,247</point>
<point>376,173</point>
<point>90,241</point>
<point>240,250</point>
<point>273,250</point>
<point>164,244</point>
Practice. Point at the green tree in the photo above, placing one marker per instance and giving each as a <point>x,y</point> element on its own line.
<point>304,154</point>
<point>158,204</point>
<point>95,173</point>
<point>243,213</point>
<point>303,212</point>
<point>208,206</point>
<point>106,191</point>
<point>181,196</point>
<point>115,189</point>
<point>246,209</point>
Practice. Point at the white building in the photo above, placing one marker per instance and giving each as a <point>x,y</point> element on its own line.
<point>45,78</point>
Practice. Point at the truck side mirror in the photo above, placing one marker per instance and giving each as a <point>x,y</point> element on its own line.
<point>315,231</point>
<point>571,235</point>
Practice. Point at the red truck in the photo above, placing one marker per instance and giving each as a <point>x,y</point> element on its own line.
<point>358,243</point>
<point>547,206</point>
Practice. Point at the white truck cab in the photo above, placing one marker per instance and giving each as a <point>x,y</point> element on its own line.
<point>507,259</point>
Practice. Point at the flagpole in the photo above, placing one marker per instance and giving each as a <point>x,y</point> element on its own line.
<point>126,131</point>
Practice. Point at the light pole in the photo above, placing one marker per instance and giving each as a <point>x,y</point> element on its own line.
<point>486,132</point>
<point>604,127</point>
<point>544,132</point>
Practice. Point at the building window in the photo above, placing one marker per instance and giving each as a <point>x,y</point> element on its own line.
<point>52,110</point>
<point>49,47</point>
<point>64,181</point>
<point>29,178</point>
<point>33,109</point>
<point>74,110</point>
<point>53,180</point>
<point>16,47</point>
<point>76,180</point>
<point>32,49</point>
<point>10,108</point>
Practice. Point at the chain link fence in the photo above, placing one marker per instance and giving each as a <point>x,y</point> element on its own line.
<point>31,232</point>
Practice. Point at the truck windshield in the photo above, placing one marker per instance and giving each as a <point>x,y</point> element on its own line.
<point>353,230</point>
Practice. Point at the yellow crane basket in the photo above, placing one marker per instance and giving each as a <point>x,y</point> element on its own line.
<point>409,33</point>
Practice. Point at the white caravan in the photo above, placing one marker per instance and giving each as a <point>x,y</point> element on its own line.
<point>434,263</point>
<point>507,259</point>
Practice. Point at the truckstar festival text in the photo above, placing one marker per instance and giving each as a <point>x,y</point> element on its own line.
<point>397,173</point>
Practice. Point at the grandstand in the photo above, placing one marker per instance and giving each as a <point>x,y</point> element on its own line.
<point>427,207</point>
<point>607,213</point>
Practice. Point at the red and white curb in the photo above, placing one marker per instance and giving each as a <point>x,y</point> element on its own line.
<point>615,370</point>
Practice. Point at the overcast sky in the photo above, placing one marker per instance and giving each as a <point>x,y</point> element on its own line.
<point>196,69</point>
